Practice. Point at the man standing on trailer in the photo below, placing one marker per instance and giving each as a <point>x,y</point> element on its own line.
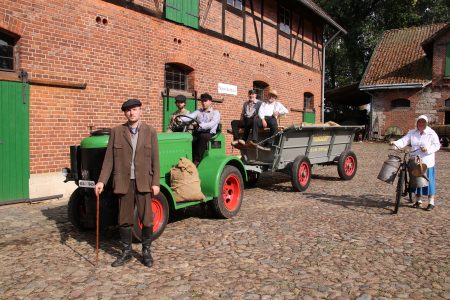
<point>132,154</point>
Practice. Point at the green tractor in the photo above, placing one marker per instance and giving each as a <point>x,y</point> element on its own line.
<point>222,181</point>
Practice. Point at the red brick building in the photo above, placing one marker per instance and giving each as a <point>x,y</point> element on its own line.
<point>81,59</point>
<point>409,75</point>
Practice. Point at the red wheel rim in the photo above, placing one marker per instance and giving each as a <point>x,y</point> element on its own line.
<point>349,166</point>
<point>303,174</point>
<point>231,192</point>
<point>158,214</point>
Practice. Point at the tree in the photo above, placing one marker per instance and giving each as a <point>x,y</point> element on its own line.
<point>365,21</point>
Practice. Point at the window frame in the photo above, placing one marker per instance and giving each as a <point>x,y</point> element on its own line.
<point>11,40</point>
<point>233,4</point>
<point>260,88</point>
<point>283,15</point>
<point>181,72</point>
<point>310,97</point>
<point>398,103</point>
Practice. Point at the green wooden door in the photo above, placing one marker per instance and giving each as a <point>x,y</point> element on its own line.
<point>309,117</point>
<point>183,12</point>
<point>14,143</point>
<point>170,108</point>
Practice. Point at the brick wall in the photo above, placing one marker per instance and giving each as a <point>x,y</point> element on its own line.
<point>120,54</point>
<point>422,102</point>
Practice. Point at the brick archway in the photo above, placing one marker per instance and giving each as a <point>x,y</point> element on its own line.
<point>180,59</point>
<point>12,25</point>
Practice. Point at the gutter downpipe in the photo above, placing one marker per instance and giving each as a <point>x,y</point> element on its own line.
<point>322,118</point>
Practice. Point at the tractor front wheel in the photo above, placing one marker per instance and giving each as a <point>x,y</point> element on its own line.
<point>77,209</point>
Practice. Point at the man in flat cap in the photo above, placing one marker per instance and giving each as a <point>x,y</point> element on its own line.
<point>132,156</point>
<point>208,120</point>
<point>180,102</point>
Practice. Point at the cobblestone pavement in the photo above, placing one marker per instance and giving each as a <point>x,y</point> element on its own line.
<point>337,240</point>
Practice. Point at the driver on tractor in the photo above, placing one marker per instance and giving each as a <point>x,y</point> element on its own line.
<point>205,121</point>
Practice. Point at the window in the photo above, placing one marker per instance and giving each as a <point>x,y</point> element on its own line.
<point>447,103</point>
<point>400,103</point>
<point>308,101</point>
<point>284,20</point>
<point>235,3</point>
<point>447,62</point>
<point>259,87</point>
<point>7,43</point>
<point>176,77</point>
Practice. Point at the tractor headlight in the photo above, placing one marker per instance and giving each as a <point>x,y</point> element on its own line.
<point>65,172</point>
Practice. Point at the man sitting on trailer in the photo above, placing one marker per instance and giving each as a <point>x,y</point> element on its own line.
<point>268,114</point>
<point>249,112</point>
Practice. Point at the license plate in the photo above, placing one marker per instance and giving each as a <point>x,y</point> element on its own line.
<point>86,183</point>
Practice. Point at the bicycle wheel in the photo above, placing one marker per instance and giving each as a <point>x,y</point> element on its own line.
<point>399,190</point>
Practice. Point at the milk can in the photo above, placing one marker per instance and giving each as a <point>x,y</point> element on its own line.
<point>389,169</point>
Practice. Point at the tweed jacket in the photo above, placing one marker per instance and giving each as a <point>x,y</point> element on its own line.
<point>118,159</point>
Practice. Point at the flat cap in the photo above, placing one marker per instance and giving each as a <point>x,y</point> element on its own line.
<point>130,103</point>
<point>180,98</point>
<point>205,97</point>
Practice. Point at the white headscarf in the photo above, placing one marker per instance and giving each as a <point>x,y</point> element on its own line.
<point>424,117</point>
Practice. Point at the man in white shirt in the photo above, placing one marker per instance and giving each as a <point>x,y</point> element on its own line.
<point>208,120</point>
<point>268,114</point>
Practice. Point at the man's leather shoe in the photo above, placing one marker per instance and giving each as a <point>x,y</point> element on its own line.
<point>430,207</point>
<point>126,236</point>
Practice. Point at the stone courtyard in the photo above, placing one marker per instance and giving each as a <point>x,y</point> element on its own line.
<point>337,240</point>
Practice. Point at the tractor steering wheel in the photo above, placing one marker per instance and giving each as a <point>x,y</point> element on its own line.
<point>179,126</point>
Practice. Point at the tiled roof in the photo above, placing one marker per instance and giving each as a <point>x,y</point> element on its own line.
<point>321,13</point>
<point>399,58</point>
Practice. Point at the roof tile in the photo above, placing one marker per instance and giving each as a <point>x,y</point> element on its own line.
<point>399,57</point>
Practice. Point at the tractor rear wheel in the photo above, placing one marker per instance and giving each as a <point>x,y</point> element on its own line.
<point>231,192</point>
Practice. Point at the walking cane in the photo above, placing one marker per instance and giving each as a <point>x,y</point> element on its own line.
<point>97,229</point>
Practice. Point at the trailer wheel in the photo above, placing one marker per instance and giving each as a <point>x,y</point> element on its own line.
<point>160,209</point>
<point>347,165</point>
<point>301,173</point>
<point>231,188</point>
<point>76,209</point>
<point>252,179</point>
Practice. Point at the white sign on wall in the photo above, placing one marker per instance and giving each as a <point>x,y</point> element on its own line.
<point>223,88</point>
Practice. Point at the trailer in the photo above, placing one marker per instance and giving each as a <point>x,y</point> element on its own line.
<point>295,149</point>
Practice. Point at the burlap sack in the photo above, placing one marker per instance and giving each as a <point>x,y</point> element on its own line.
<point>185,182</point>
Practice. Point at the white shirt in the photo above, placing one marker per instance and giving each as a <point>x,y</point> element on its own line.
<point>428,139</point>
<point>267,109</point>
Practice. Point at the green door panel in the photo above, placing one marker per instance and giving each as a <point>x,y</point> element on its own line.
<point>309,117</point>
<point>174,10</point>
<point>170,108</point>
<point>183,12</point>
<point>14,142</point>
<point>190,16</point>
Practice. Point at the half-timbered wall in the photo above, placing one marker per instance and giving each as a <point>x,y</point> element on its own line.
<point>119,49</point>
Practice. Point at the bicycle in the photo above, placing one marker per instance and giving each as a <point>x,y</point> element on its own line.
<point>402,188</point>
